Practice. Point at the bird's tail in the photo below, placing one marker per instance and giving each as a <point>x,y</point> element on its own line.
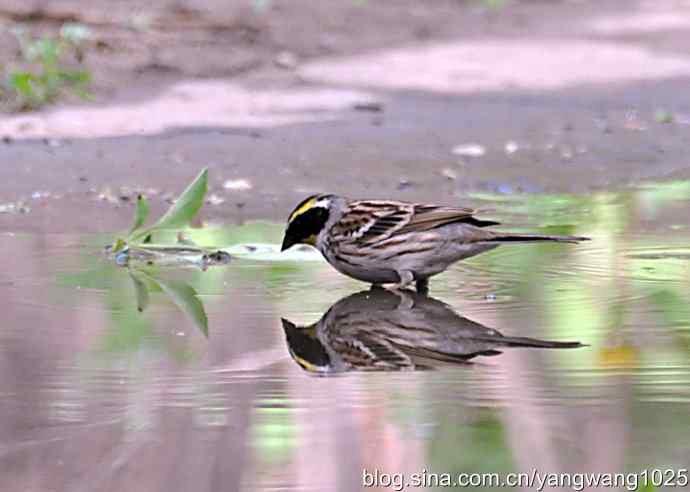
<point>536,343</point>
<point>509,237</point>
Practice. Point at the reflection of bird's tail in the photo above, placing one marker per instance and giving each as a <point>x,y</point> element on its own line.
<point>536,343</point>
<point>509,237</point>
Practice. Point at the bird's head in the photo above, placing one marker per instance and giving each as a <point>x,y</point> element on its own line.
<point>305,347</point>
<point>307,220</point>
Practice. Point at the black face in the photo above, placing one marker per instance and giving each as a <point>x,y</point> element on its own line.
<point>305,349</point>
<point>306,225</point>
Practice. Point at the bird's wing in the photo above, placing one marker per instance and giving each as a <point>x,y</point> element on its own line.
<point>372,221</point>
<point>368,222</point>
<point>426,217</point>
<point>364,351</point>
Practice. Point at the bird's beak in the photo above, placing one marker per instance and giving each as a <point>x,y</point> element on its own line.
<point>287,242</point>
<point>287,325</point>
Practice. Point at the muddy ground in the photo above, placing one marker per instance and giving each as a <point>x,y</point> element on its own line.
<point>362,98</point>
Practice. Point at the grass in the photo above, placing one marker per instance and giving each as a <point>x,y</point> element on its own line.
<point>49,67</point>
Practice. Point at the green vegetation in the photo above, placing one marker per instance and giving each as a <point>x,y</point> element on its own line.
<point>180,214</point>
<point>50,67</point>
<point>137,252</point>
<point>138,247</point>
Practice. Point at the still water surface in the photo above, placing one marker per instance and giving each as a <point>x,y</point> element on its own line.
<point>280,374</point>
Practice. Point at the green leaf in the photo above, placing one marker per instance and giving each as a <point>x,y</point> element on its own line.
<point>185,297</point>
<point>22,82</point>
<point>118,246</point>
<point>141,214</point>
<point>181,213</point>
<point>141,290</point>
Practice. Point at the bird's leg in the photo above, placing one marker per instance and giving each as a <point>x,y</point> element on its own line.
<point>406,299</point>
<point>406,278</point>
<point>423,286</point>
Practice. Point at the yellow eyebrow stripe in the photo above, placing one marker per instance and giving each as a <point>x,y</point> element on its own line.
<point>302,209</point>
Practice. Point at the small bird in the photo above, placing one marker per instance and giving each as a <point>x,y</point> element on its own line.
<point>382,330</point>
<point>394,242</point>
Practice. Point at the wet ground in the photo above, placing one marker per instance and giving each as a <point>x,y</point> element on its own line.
<point>243,377</point>
<point>361,110</point>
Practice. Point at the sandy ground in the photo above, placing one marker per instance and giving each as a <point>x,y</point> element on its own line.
<point>359,98</point>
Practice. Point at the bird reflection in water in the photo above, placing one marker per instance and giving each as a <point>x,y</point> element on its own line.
<point>382,330</point>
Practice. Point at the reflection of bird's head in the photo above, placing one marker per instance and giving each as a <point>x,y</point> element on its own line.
<point>308,219</point>
<point>305,348</point>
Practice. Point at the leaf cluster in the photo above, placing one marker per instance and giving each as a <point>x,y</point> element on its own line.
<point>137,251</point>
<point>50,66</point>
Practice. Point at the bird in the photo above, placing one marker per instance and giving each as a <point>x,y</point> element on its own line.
<point>396,330</point>
<point>395,242</point>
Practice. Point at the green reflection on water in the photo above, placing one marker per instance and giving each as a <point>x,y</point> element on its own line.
<point>274,432</point>
<point>479,446</point>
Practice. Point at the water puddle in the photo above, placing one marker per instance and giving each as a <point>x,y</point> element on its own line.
<point>274,372</point>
